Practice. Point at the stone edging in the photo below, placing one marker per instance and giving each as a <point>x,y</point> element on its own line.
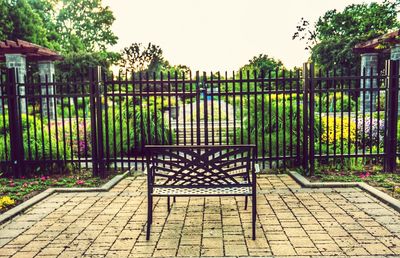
<point>43,195</point>
<point>389,200</point>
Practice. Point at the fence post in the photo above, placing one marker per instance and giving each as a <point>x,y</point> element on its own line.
<point>99,110</point>
<point>93,123</point>
<point>312,117</point>
<point>205,101</point>
<point>305,117</point>
<point>393,91</point>
<point>198,93</point>
<point>16,140</point>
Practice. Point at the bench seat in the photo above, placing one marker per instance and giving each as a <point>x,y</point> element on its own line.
<point>204,191</point>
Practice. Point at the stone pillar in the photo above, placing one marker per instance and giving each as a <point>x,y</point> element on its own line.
<point>46,72</point>
<point>395,55</point>
<point>18,61</point>
<point>369,61</point>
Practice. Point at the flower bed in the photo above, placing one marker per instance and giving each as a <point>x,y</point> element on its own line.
<point>15,191</point>
<point>386,182</point>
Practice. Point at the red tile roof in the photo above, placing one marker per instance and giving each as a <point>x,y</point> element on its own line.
<point>371,45</point>
<point>32,51</point>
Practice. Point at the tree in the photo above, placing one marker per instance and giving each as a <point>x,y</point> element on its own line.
<point>77,64</point>
<point>140,58</point>
<point>85,25</point>
<point>20,21</point>
<point>79,29</point>
<point>6,24</point>
<point>179,70</point>
<point>62,25</point>
<point>336,33</point>
<point>262,63</point>
<point>46,10</point>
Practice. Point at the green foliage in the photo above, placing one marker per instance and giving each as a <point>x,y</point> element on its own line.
<point>334,102</point>
<point>263,63</point>
<point>139,58</point>
<point>81,26</point>
<point>46,10</point>
<point>85,25</point>
<point>181,71</point>
<point>77,64</point>
<point>149,59</point>
<point>4,137</point>
<point>21,21</point>
<point>6,22</point>
<point>398,135</point>
<point>43,140</point>
<point>280,127</point>
<point>70,111</point>
<point>17,189</point>
<point>390,182</point>
<point>336,33</point>
<point>144,123</point>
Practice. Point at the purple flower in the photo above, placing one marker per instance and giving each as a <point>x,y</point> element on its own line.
<point>370,131</point>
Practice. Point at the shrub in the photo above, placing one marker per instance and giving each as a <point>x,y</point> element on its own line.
<point>279,128</point>
<point>144,122</point>
<point>4,137</point>
<point>71,107</point>
<point>45,139</point>
<point>337,102</point>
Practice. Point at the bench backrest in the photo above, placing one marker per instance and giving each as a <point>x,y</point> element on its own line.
<point>200,165</point>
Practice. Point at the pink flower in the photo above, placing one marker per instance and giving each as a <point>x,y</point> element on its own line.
<point>364,175</point>
<point>80,182</point>
<point>12,184</point>
<point>25,185</point>
<point>43,178</point>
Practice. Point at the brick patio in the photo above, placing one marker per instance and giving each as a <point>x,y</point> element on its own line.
<point>291,221</point>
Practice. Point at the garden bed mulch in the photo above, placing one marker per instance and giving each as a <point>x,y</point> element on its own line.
<point>14,191</point>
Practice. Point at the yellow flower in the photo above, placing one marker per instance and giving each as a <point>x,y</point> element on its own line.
<point>338,129</point>
<point>6,201</point>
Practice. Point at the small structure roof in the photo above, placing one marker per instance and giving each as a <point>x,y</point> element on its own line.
<point>374,45</point>
<point>32,51</point>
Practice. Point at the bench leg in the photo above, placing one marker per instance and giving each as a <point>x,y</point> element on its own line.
<point>149,216</point>
<point>254,215</point>
<point>174,199</point>
<point>246,200</point>
<point>168,204</point>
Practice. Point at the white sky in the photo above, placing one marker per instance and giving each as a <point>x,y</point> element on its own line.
<point>218,35</point>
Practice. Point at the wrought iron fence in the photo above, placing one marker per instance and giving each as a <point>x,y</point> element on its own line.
<point>296,118</point>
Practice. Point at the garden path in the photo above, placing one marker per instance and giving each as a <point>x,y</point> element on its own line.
<point>220,122</point>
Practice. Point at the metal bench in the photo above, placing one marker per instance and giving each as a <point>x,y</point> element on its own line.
<point>201,170</point>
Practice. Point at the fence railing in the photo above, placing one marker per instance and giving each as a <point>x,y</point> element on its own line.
<point>295,118</point>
